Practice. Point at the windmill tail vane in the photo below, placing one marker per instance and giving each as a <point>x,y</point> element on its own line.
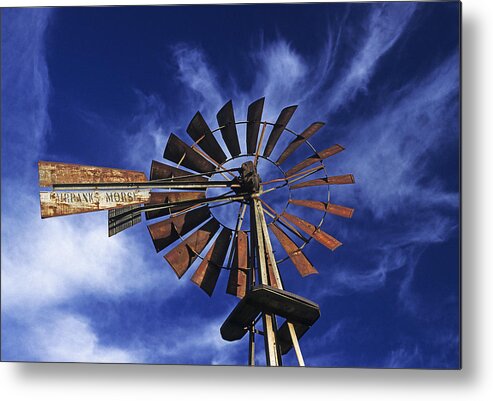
<point>180,197</point>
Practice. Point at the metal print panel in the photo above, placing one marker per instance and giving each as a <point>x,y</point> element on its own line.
<point>309,211</point>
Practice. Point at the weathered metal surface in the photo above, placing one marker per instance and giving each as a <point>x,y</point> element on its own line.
<point>226,120</point>
<point>334,180</point>
<point>53,173</point>
<point>165,232</point>
<point>300,261</point>
<point>278,128</point>
<point>179,152</point>
<point>266,299</point>
<point>162,198</point>
<point>272,277</point>
<point>314,232</point>
<point>209,269</point>
<point>121,219</point>
<point>237,281</point>
<point>297,142</point>
<point>61,203</point>
<point>254,116</point>
<point>160,171</point>
<point>322,155</point>
<point>326,207</point>
<point>184,254</point>
<point>200,132</point>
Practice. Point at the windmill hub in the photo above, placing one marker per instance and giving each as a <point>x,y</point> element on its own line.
<point>249,179</point>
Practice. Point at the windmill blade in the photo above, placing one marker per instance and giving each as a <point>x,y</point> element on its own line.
<point>165,232</point>
<point>314,232</point>
<point>226,120</point>
<point>254,117</point>
<point>180,153</point>
<point>161,171</point>
<point>278,128</point>
<point>54,173</point>
<point>121,219</point>
<point>209,269</point>
<point>237,281</point>
<point>338,210</point>
<point>324,154</point>
<point>334,180</point>
<point>297,142</point>
<point>300,261</point>
<point>202,135</point>
<point>162,198</point>
<point>184,254</point>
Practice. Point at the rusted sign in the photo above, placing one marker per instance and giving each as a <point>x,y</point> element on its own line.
<point>334,180</point>
<point>314,232</point>
<point>53,173</point>
<point>322,155</point>
<point>61,203</point>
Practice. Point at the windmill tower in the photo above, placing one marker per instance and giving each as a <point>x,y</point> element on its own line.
<point>186,195</point>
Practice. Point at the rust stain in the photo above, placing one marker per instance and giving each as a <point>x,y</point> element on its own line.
<point>339,210</point>
<point>334,180</point>
<point>300,261</point>
<point>317,234</point>
<point>322,155</point>
<point>52,173</point>
<point>61,203</point>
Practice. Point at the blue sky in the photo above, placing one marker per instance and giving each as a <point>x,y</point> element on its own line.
<point>106,86</point>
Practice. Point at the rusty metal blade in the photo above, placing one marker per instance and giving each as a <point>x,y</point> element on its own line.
<point>317,234</point>
<point>53,173</point>
<point>226,120</point>
<point>120,219</point>
<point>326,207</point>
<point>61,203</point>
<point>165,232</point>
<point>160,171</point>
<point>297,142</point>
<point>237,282</point>
<point>179,152</point>
<point>324,154</point>
<point>300,261</point>
<point>162,198</point>
<point>201,134</point>
<point>334,180</point>
<point>209,269</point>
<point>254,116</point>
<point>184,254</point>
<point>278,128</point>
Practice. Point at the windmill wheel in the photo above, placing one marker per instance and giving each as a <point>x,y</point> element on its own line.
<point>211,224</point>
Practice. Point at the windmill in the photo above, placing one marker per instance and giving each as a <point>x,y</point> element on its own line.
<point>181,199</point>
